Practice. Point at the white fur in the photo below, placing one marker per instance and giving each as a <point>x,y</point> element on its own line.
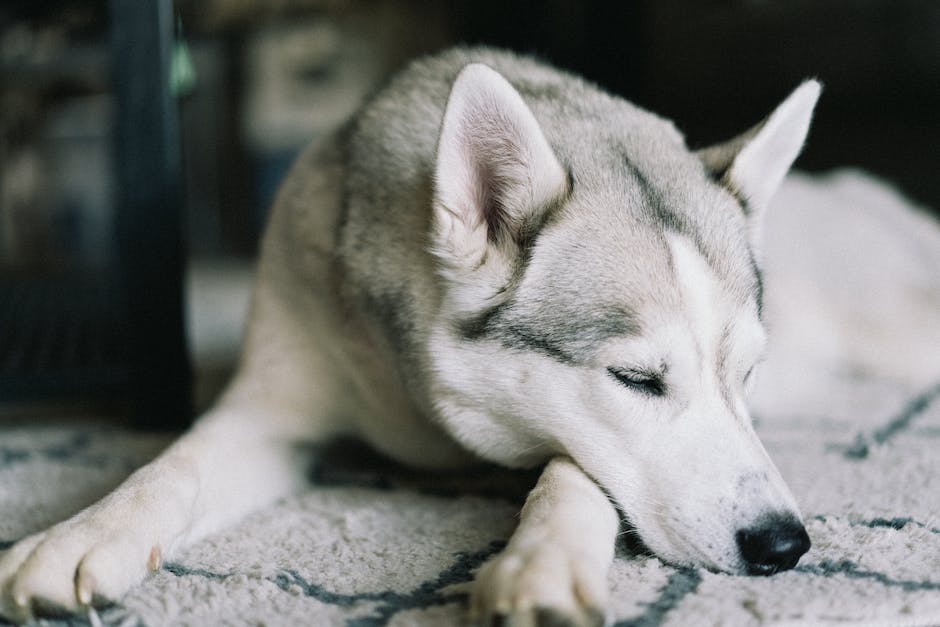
<point>761,165</point>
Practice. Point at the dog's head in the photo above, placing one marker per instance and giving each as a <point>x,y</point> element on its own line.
<point>602,300</point>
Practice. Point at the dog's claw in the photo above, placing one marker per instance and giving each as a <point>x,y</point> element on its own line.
<point>21,609</point>
<point>155,561</point>
<point>74,566</point>
<point>84,587</point>
<point>21,601</point>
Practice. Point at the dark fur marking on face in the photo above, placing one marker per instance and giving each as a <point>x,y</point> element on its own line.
<point>719,174</point>
<point>670,219</point>
<point>479,326</point>
<point>724,348</point>
<point>758,285</point>
<point>723,182</point>
<point>528,233</point>
<point>747,210</point>
<point>566,337</point>
<point>520,337</point>
<point>719,178</point>
<point>743,201</point>
<point>726,184</point>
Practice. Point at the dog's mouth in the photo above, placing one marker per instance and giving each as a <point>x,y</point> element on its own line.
<point>631,544</point>
<point>769,543</point>
<point>775,544</point>
<point>629,540</point>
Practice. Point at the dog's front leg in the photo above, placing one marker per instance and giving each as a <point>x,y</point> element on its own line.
<point>239,456</point>
<point>227,465</point>
<point>554,569</point>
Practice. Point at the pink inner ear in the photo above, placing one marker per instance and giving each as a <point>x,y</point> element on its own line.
<point>494,168</point>
<point>492,187</point>
<point>497,164</point>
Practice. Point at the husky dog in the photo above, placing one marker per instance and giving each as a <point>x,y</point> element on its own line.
<point>495,260</point>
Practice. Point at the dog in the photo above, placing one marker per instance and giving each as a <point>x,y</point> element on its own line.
<point>494,260</point>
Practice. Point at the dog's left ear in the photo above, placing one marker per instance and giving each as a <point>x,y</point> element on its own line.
<point>495,173</point>
<point>753,165</point>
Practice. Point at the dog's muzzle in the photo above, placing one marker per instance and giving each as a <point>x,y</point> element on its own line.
<point>775,543</point>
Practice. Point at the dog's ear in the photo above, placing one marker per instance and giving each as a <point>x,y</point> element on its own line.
<point>753,165</point>
<point>495,171</point>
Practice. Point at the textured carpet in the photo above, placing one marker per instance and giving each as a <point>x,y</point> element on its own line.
<point>373,544</point>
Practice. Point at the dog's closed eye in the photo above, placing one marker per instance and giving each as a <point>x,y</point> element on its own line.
<point>643,381</point>
<point>749,379</point>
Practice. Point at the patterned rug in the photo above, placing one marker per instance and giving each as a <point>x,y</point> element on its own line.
<point>370,543</point>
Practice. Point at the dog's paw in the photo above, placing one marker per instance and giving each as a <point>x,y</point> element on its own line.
<point>73,565</point>
<point>539,585</point>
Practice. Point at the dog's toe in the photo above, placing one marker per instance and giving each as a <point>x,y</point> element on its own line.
<point>583,617</point>
<point>539,587</point>
<point>110,568</point>
<point>548,617</point>
<point>38,577</point>
<point>71,566</point>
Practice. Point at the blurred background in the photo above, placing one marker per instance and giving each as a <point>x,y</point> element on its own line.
<point>141,142</point>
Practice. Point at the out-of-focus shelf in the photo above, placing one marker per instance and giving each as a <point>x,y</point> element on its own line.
<point>86,66</point>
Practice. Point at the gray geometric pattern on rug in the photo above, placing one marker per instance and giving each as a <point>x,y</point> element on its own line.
<point>370,543</point>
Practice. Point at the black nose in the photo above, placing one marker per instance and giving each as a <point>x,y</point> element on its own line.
<point>775,543</point>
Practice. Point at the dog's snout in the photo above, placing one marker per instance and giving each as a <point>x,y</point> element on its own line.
<point>775,543</point>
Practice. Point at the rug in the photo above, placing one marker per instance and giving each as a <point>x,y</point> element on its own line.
<point>371,543</point>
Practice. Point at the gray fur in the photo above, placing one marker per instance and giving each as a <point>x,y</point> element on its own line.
<point>566,334</point>
<point>632,178</point>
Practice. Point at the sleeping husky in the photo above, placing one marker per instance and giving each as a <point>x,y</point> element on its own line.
<point>495,260</point>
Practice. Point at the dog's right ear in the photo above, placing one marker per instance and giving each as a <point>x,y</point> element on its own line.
<point>495,173</point>
<point>754,164</point>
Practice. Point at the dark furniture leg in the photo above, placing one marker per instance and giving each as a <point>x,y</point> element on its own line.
<point>150,252</point>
